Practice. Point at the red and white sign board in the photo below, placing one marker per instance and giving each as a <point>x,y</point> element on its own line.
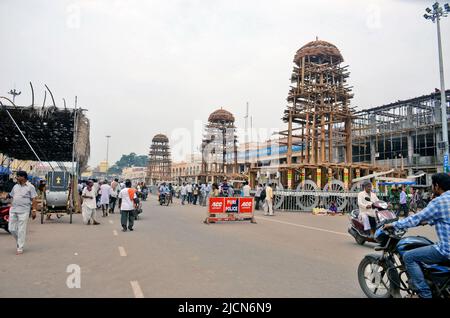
<point>230,209</point>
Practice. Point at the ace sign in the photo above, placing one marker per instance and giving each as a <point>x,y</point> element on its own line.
<point>245,205</point>
<point>216,205</point>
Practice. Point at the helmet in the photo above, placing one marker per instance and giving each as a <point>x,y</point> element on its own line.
<point>381,237</point>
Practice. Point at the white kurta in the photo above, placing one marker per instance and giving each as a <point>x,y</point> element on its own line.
<point>106,192</point>
<point>363,203</point>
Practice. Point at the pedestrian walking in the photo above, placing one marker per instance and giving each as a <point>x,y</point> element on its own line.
<point>127,204</point>
<point>259,189</point>
<point>195,192</point>
<point>89,206</point>
<point>403,202</point>
<point>115,189</point>
<point>105,192</point>
<point>23,196</point>
<point>183,193</point>
<point>172,193</point>
<point>208,191</point>
<point>189,193</point>
<point>246,190</point>
<point>203,194</point>
<point>269,200</point>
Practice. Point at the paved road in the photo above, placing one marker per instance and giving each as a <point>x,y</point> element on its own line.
<point>172,253</point>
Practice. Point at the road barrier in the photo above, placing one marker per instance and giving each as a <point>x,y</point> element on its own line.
<point>230,209</point>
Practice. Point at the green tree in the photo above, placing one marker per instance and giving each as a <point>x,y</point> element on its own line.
<point>131,160</point>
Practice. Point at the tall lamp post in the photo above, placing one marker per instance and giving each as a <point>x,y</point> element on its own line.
<point>107,149</point>
<point>435,15</point>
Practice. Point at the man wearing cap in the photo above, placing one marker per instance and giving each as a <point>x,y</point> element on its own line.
<point>23,196</point>
<point>365,200</point>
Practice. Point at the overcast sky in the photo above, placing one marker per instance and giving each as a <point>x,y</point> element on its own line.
<point>160,66</point>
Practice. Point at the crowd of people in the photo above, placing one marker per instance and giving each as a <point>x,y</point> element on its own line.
<point>105,195</point>
<point>198,193</point>
<point>95,195</point>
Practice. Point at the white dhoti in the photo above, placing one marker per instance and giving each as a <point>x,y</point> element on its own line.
<point>88,214</point>
<point>18,227</point>
<point>364,218</point>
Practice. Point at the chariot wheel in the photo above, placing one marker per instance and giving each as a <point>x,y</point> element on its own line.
<point>353,201</point>
<point>308,201</point>
<point>278,199</point>
<point>335,186</point>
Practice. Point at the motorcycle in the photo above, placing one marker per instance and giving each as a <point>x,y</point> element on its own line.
<point>4,215</point>
<point>138,210</point>
<point>144,194</point>
<point>356,227</point>
<point>164,199</point>
<point>385,276</point>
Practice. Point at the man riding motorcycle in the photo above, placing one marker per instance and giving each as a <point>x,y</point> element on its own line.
<point>365,200</point>
<point>163,191</point>
<point>436,213</point>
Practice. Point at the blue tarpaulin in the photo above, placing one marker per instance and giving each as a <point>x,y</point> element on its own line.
<point>4,170</point>
<point>397,183</point>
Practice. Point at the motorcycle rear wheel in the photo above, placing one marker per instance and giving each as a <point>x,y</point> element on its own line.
<point>373,277</point>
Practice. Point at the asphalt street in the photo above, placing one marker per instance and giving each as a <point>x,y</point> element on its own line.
<point>172,253</point>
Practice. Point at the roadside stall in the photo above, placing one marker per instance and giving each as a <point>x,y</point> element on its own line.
<point>57,138</point>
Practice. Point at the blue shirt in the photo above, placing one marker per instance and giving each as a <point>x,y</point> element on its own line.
<point>436,213</point>
<point>164,190</point>
<point>403,197</point>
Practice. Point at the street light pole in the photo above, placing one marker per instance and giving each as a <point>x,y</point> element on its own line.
<point>435,15</point>
<point>443,98</point>
<point>107,148</point>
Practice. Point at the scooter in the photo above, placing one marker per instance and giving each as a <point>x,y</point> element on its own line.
<point>4,215</point>
<point>356,227</point>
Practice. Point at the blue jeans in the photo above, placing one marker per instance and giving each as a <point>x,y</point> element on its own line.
<point>412,258</point>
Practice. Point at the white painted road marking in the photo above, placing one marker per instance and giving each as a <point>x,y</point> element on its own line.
<point>115,233</point>
<point>136,289</point>
<point>122,251</point>
<point>300,225</point>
